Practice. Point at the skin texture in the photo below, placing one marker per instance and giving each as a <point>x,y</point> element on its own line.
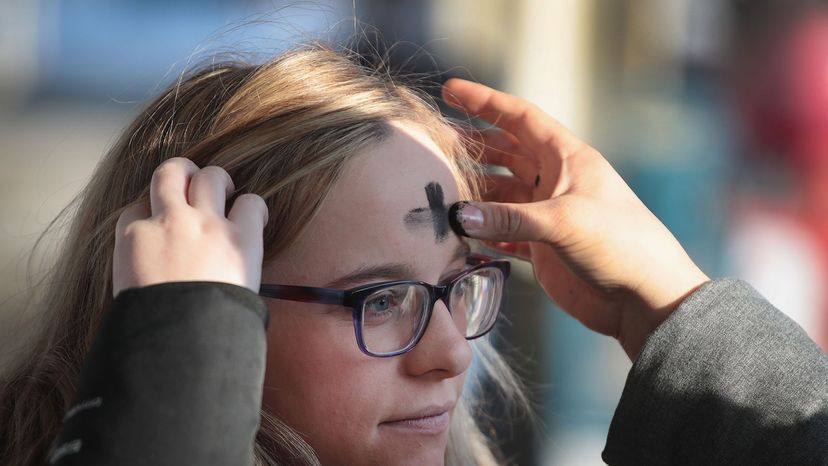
<point>317,380</point>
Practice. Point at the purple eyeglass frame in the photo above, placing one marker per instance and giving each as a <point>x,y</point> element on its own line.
<point>354,298</point>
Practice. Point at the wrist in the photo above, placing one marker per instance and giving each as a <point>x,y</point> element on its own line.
<point>648,307</point>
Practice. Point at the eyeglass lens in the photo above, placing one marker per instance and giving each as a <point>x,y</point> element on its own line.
<point>393,317</point>
<point>475,301</point>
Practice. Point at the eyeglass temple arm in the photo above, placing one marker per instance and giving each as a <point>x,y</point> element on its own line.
<point>304,294</point>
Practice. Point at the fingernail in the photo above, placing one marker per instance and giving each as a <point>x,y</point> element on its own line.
<point>465,218</point>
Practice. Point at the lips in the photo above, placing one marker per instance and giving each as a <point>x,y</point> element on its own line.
<point>431,420</point>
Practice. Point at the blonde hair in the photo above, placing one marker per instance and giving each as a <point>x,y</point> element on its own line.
<point>284,130</point>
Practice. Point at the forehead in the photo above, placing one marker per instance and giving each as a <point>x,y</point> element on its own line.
<point>388,206</point>
<point>395,173</point>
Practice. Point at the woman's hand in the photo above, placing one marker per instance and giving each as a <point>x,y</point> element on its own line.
<point>596,249</point>
<point>183,234</point>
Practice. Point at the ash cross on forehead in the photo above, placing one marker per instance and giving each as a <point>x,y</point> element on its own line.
<point>435,214</point>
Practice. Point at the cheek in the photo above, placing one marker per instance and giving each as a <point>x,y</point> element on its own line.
<point>318,382</point>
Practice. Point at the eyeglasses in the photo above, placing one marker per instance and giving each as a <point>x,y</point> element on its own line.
<point>391,317</point>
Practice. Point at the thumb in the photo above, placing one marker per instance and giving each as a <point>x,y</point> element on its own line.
<point>502,221</point>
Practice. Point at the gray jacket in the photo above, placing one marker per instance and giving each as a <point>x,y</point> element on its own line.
<point>726,379</point>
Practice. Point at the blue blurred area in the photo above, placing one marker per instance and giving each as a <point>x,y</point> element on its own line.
<point>126,49</point>
<point>685,183</point>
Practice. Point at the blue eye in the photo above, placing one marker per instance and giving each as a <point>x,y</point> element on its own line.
<point>382,305</point>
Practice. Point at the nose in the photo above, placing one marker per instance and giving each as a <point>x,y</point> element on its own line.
<point>443,350</point>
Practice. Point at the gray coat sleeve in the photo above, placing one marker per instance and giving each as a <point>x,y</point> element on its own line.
<point>726,379</point>
<point>174,377</point>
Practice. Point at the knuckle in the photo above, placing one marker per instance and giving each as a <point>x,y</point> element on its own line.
<point>254,201</point>
<point>514,221</point>
<point>216,174</point>
<point>560,218</point>
<point>132,232</point>
<point>123,218</point>
<point>508,221</point>
<point>212,227</point>
<point>168,172</point>
<point>129,216</point>
<point>255,198</point>
<point>180,219</point>
<point>163,171</point>
<point>259,201</point>
<point>174,164</point>
<point>214,170</point>
<point>247,196</point>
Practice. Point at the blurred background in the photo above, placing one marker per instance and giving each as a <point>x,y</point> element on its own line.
<point>714,111</point>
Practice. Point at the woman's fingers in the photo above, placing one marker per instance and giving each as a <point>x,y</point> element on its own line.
<point>130,214</point>
<point>249,214</point>
<point>502,149</point>
<point>494,146</point>
<point>505,188</point>
<point>178,181</point>
<point>493,137</point>
<point>249,211</point>
<point>184,235</point>
<point>209,189</point>
<point>532,126</point>
<point>169,184</point>
<point>510,222</point>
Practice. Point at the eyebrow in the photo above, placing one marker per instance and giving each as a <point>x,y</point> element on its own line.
<point>389,270</point>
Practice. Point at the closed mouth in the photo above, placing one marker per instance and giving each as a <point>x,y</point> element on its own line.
<point>432,420</point>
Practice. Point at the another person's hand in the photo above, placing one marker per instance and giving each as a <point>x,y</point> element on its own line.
<point>183,234</point>
<point>596,249</point>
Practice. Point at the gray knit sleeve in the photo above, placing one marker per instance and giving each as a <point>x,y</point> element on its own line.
<point>726,379</point>
<point>174,377</point>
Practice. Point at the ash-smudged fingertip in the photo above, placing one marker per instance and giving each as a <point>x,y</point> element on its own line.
<point>454,218</point>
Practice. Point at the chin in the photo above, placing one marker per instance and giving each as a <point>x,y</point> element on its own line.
<point>396,458</point>
<point>417,458</point>
<point>417,452</point>
<point>412,454</point>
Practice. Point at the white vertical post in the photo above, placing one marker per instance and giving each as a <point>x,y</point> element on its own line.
<point>549,59</point>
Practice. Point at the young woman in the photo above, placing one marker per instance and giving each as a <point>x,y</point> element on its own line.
<point>332,203</point>
<point>352,174</point>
